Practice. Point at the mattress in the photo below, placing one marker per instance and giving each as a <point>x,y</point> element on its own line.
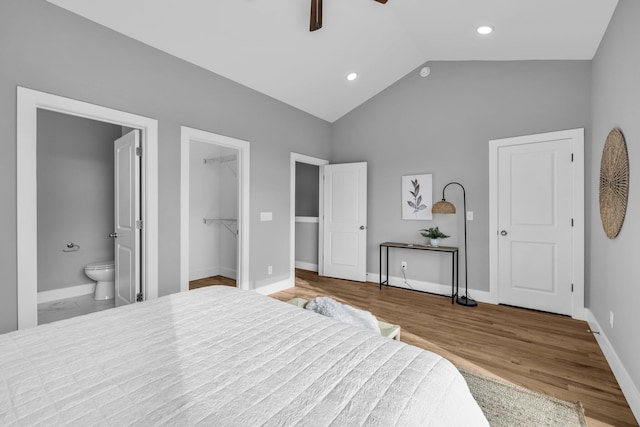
<point>220,356</point>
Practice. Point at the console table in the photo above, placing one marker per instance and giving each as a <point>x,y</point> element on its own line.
<point>446,249</point>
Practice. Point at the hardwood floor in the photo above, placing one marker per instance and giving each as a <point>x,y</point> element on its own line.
<point>210,281</point>
<point>548,353</point>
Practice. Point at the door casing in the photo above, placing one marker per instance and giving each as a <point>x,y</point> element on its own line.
<point>577,243</point>
<point>28,103</point>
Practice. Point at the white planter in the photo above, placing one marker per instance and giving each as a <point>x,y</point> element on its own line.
<point>435,242</point>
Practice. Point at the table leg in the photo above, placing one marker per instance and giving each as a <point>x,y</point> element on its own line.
<point>380,268</point>
<point>453,273</point>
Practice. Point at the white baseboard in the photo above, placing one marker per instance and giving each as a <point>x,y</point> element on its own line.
<point>629,389</point>
<point>307,266</point>
<point>435,288</point>
<point>63,293</point>
<point>274,287</point>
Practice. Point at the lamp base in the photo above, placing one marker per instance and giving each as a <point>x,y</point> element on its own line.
<point>469,302</point>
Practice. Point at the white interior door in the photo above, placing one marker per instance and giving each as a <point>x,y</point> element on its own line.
<point>126,219</point>
<point>345,221</point>
<point>535,225</point>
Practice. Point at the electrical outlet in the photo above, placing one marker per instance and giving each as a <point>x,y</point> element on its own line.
<point>611,319</point>
<point>404,265</point>
<point>270,269</point>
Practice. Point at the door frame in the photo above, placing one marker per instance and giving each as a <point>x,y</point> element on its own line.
<point>28,103</point>
<point>187,135</point>
<point>577,241</point>
<point>302,158</point>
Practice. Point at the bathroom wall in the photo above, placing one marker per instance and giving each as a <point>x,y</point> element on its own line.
<point>213,194</point>
<point>72,209</point>
<point>307,201</point>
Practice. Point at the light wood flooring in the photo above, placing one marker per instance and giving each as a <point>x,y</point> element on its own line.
<point>552,354</point>
<point>211,281</point>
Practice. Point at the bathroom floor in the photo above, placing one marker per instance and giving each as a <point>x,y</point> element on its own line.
<point>71,307</point>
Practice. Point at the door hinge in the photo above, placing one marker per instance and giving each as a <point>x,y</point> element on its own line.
<point>139,297</point>
<point>138,151</point>
<point>572,157</point>
<point>572,287</point>
<point>139,224</point>
<point>572,222</point>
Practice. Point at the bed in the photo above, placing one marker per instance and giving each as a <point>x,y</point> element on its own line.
<point>225,357</point>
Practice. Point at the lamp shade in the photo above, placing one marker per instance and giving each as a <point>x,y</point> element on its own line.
<point>443,207</point>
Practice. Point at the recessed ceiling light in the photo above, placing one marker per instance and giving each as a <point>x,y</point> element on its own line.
<point>352,76</point>
<point>484,30</point>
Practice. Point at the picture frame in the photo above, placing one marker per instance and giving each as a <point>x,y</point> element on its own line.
<point>417,195</point>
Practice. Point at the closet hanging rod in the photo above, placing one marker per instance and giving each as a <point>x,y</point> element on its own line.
<point>227,222</point>
<point>207,220</point>
<point>222,159</point>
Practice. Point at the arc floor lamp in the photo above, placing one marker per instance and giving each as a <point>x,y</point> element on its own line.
<point>444,207</point>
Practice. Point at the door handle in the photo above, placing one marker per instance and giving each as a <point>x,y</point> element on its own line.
<point>113,235</point>
<point>503,233</point>
<point>362,227</point>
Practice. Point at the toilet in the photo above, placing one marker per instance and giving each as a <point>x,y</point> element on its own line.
<point>104,275</point>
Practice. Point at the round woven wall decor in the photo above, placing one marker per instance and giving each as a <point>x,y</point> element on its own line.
<point>614,183</point>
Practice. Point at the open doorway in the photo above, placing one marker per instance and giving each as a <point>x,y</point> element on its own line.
<point>213,215</point>
<point>214,200</point>
<point>30,102</point>
<point>306,214</point>
<point>75,216</point>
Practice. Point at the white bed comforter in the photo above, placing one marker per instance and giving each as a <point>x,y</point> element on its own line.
<point>223,357</point>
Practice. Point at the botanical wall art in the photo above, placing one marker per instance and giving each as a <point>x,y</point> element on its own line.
<point>416,197</point>
<point>614,183</point>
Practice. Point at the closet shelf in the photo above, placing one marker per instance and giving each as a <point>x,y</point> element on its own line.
<point>227,222</point>
<point>225,160</point>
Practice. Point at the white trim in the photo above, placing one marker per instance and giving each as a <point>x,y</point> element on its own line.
<point>434,288</point>
<point>274,287</point>
<point>310,219</point>
<point>29,101</point>
<point>629,389</point>
<point>306,266</point>
<point>68,292</point>
<point>187,135</point>
<point>301,158</point>
<point>577,243</point>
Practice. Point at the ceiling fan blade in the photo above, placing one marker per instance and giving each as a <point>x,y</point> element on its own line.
<point>316,15</point>
<point>382,1</point>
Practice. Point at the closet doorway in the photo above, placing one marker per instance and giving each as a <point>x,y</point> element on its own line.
<point>214,210</point>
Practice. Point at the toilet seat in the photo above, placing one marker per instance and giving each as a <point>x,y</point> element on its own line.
<point>104,265</point>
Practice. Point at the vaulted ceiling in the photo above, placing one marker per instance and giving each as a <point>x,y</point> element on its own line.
<point>266,44</point>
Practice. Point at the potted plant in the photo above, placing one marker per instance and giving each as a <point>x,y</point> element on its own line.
<point>434,235</point>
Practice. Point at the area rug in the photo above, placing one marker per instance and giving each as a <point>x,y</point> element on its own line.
<point>509,405</point>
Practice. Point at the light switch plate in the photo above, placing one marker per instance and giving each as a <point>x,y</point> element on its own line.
<point>469,215</point>
<point>266,216</point>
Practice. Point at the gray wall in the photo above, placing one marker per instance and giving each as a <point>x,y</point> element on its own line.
<point>71,209</point>
<point>307,191</point>
<point>49,49</point>
<point>613,269</point>
<point>442,125</point>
